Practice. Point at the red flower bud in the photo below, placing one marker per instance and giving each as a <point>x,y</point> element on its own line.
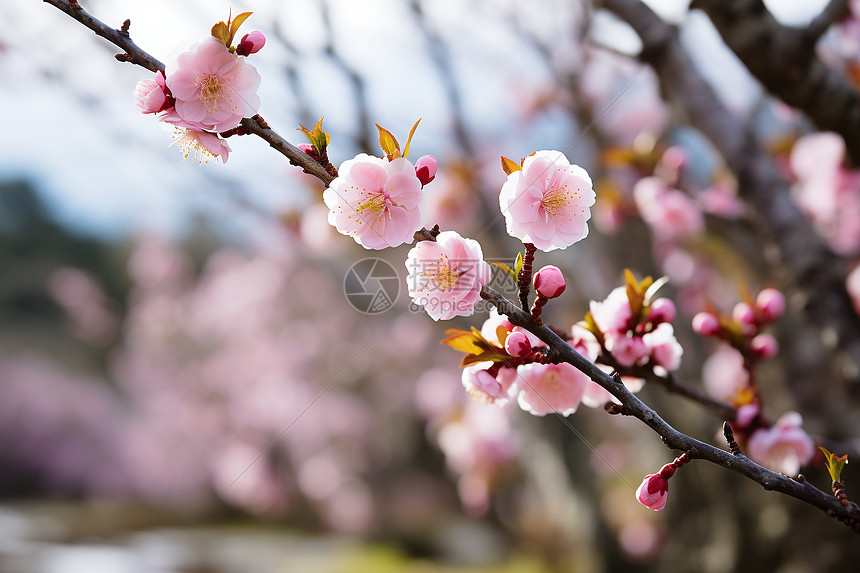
<point>251,43</point>
<point>662,310</point>
<point>653,492</point>
<point>770,304</point>
<point>425,169</point>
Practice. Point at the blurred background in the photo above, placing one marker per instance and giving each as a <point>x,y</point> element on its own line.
<point>185,387</point>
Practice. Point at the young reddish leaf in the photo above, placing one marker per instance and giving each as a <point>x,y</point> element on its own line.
<point>509,165</point>
<point>318,138</point>
<point>237,21</point>
<point>409,140</point>
<point>221,32</point>
<point>388,143</point>
<point>462,340</point>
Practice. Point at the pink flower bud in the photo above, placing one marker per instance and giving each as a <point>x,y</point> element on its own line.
<point>745,415</point>
<point>764,346</point>
<point>662,310</point>
<point>251,43</point>
<point>151,96</point>
<point>518,344</point>
<point>744,314</point>
<point>770,304</point>
<point>549,281</point>
<point>706,324</point>
<point>425,169</point>
<point>653,491</point>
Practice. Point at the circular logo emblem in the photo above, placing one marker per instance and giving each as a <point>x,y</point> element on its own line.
<point>371,286</point>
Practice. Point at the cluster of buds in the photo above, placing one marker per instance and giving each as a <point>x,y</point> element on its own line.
<point>653,492</point>
<point>743,328</point>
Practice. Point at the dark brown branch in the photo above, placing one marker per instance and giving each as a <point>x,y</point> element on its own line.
<point>674,386</point>
<point>254,125</point>
<point>784,61</point>
<point>815,270</point>
<point>832,13</point>
<point>560,351</point>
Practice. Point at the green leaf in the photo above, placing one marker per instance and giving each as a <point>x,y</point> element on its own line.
<point>505,268</point>
<point>237,21</point>
<point>221,32</point>
<point>388,143</point>
<point>409,140</point>
<point>509,165</point>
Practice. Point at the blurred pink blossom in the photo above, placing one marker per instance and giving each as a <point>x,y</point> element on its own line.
<point>723,373</point>
<point>670,213</point>
<point>613,314</point>
<point>375,201</point>
<point>550,388</point>
<point>664,348</point>
<point>784,447</point>
<point>548,202</point>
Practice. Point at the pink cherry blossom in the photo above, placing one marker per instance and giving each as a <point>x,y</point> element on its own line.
<point>201,146</point>
<point>784,447</point>
<point>613,314</point>
<point>375,201</point>
<point>670,213</point>
<point>723,373</point>
<point>628,350</point>
<point>214,89</point>
<point>483,386</point>
<point>548,202</point>
<point>152,96</point>
<point>550,388</point>
<point>446,275</point>
<point>490,328</point>
<point>662,310</point>
<point>665,349</point>
<point>653,492</point>
<point>549,281</point>
<point>251,43</point>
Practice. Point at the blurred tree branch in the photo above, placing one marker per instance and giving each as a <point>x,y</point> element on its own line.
<point>814,269</point>
<point>784,61</point>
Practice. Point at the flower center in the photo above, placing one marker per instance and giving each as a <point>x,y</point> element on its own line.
<point>555,200</point>
<point>211,91</point>
<point>374,204</point>
<point>445,277</point>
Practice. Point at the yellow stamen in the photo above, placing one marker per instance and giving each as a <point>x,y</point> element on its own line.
<point>375,204</point>
<point>211,91</point>
<point>555,200</point>
<point>445,277</point>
